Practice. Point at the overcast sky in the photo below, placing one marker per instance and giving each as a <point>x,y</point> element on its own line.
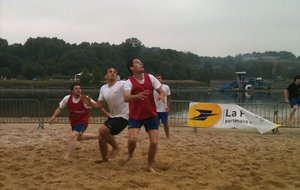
<point>203,27</point>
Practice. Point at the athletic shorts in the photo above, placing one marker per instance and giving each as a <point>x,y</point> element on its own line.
<point>79,127</point>
<point>149,123</point>
<point>162,117</point>
<point>116,124</point>
<point>294,102</point>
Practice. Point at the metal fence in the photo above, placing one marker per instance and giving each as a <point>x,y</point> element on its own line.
<point>36,111</point>
<point>266,111</point>
<point>21,111</point>
<point>282,115</point>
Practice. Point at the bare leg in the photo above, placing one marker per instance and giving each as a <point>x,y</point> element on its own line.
<point>112,141</point>
<point>103,149</point>
<point>105,138</point>
<point>293,110</point>
<point>166,128</point>
<point>72,144</point>
<point>87,136</point>
<point>153,136</point>
<point>132,139</point>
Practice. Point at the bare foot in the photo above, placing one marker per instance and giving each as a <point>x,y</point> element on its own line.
<point>150,169</point>
<point>101,161</point>
<point>80,138</point>
<point>114,153</point>
<point>123,162</point>
<point>66,158</point>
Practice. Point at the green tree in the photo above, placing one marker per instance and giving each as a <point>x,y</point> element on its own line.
<point>97,75</point>
<point>6,73</point>
<point>54,58</point>
<point>76,59</point>
<point>32,70</point>
<point>3,44</point>
<point>86,77</point>
<point>132,47</point>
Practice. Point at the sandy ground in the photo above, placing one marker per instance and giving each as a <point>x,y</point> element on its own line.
<point>208,159</point>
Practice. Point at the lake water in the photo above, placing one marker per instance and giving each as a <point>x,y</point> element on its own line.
<point>256,97</point>
<point>44,101</point>
<point>230,97</point>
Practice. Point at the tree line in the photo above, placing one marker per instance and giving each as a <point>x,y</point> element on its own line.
<point>53,58</point>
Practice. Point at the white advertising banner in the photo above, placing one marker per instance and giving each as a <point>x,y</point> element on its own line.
<point>211,115</point>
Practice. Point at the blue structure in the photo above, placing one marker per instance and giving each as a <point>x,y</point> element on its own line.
<point>244,83</point>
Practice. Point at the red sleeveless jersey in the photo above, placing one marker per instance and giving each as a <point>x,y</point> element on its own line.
<point>78,114</point>
<point>142,109</point>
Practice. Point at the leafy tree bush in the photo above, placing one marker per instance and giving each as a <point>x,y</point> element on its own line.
<point>53,58</point>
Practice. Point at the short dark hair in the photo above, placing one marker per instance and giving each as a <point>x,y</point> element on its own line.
<point>296,77</point>
<point>74,84</point>
<point>130,63</point>
<point>112,67</point>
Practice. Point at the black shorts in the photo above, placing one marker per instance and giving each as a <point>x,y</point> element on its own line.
<point>116,124</point>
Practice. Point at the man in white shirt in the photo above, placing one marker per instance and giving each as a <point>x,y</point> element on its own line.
<point>163,107</point>
<point>79,117</point>
<point>117,118</point>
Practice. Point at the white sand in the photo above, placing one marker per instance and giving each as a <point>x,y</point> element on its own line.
<point>208,159</point>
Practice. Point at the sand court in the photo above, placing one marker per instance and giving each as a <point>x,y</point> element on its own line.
<point>207,159</point>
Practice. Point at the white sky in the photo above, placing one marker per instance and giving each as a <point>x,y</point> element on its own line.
<point>203,27</point>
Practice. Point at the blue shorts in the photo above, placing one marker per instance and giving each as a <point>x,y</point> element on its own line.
<point>149,123</point>
<point>163,117</point>
<point>294,101</point>
<point>79,127</point>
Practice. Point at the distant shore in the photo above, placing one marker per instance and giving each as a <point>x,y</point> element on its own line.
<point>174,84</point>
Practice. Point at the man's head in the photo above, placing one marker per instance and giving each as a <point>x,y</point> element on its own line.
<point>135,65</point>
<point>111,74</point>
<point>297,79</point>
<point>75,89</point>
<point>159,78</point>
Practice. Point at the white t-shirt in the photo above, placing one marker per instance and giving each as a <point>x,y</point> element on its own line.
<point>114,97</point>
<point>155,83</point>
<point>160,106</point>
<point>64,101</point>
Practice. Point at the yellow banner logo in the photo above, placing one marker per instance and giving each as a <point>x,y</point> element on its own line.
<point>204,115</point>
